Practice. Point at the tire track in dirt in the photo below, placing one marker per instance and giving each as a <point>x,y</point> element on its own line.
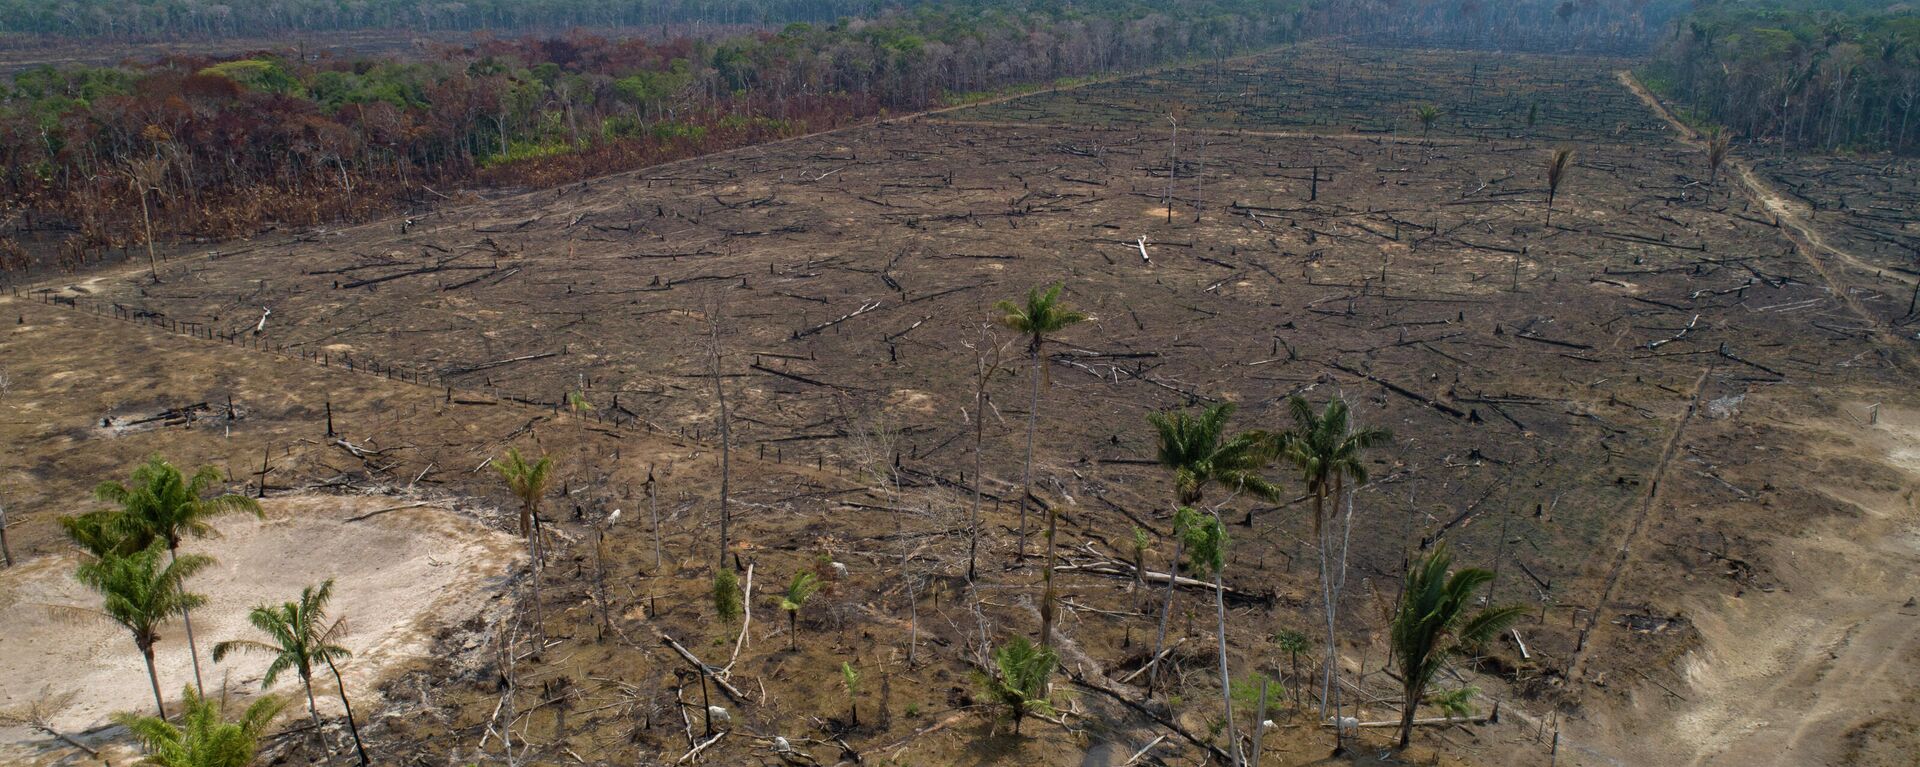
<point>1647,506</point>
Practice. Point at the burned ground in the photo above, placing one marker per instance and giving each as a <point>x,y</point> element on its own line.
<point>1568,399</point>
<point>1346,89</point>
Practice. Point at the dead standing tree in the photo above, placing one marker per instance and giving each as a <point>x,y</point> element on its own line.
<point>715,308</point>
<point>1173,159</point>
<point>6,551</point>
<point>986,364</point>
<point>143,178</point>
<point>1717,145</point>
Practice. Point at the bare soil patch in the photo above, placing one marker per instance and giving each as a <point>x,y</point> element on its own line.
<point>400,578</point>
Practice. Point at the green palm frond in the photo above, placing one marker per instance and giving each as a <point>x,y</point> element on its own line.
<point>297,634</point>
<point>141,592</point>
<point>1041,315</point>
<point>1324,446</point>
<point>1433,622</point>
<point>203,737</point>
<point>160,503</point>
<point>799,590</point>
<point>1196,448</point>
<point>1021,670</point>
<point>99,533</point>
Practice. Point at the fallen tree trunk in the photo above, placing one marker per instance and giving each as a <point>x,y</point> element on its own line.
<point>733,693</point>
<point>1122,570</point>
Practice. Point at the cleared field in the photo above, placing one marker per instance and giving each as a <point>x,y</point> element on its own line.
<point>1868,211</point>
<point>1324,88</point>
<point>1579,403</point>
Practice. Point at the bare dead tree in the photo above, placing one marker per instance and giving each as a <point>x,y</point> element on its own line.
<point>653,510</point>
<point>6,551</point>
<point>987,356</point>
<point>715,308</point>
<point>38,713</point>
<point>1717,146</point>
<point>1173,160</point>
<point>143,177</point>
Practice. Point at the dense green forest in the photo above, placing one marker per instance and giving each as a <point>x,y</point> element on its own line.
<point>100,160</point>
<point>1818,74</point>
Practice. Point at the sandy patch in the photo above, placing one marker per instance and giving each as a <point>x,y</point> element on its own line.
<point>399,576</point>
<point>1785,678</point>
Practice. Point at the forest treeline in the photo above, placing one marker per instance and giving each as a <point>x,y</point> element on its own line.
<point>104,158</point>
<point>193,19</point>
<point>1808,74</point>
<point>101,160</point>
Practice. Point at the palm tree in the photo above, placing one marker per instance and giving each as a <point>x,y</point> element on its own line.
<point>1196,448</point>
<point>850,679</point>
<point>100,533</point>
<point>160,504</point>
<point>140,594</point>
<point>528,482</point>
<point>1433,624</point>
<point>1021,670</point>
<point>1042,315</point>
<point>204,738</point>
<point>1556,170</point>
<point>1206,543</point>
<point>799,590</point>
<point>301,639</point>
<point>1427,114</point>
<point>1327,449</point>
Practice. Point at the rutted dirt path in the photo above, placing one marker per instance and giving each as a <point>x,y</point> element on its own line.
<point>1648,506</point>
<point>1791,678</point>
<point>1808,241</point>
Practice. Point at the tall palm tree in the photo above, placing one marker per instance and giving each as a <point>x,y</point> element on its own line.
<point>799,590</point>
<point>160,504</point>
<point>1041,316</point>
<point>301,639</point>
<point>1556,172</point>
<point>1197,449</point>
<point>529,483</point>
<point>1327,450</point>
<point>1206,543</point>
<point>141,595</point>
<point>204,738</point>
<point>1433,623</point>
